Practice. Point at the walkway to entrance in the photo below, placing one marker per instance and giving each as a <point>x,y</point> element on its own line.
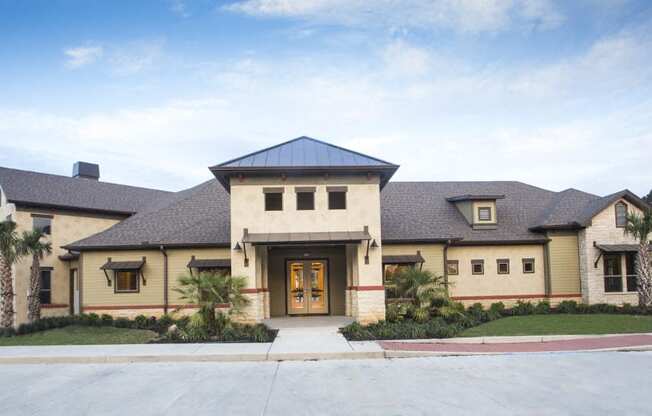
<point>309,336</point>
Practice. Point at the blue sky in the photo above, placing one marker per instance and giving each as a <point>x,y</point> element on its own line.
<point>553,93</point>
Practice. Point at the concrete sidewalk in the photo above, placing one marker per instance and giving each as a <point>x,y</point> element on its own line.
<point>298,343</point>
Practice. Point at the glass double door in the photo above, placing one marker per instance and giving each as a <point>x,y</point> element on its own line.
<point>307,287</point>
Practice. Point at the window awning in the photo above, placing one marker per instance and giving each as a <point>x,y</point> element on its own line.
<point>313,237</point>
<point>123,265</point>
<point>69,256</point>
<point>403,259</point>
<point>209,263</point>
<point>617,248</point>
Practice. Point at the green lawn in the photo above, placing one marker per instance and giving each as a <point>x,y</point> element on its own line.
<point>81,335</point>
<point>562,324</point>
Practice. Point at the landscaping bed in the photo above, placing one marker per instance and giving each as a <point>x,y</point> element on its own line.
<point>447,319</point>
<point>95,329</point>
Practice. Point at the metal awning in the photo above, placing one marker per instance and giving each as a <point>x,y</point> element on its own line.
<point>123,265</point>
<point>313,237</point>
<point>617,248</point>
<point>69,256</point>
<point>403,259</point>
<point>209,263</point>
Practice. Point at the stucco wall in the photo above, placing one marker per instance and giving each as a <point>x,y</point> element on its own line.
<point>491,285</point>
<point>66,228</point>
<point>564,263</point>
<point>362,209</point>
<point>602,230</point>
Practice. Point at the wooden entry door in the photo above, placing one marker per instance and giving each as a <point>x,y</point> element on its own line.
<point>307,287</point>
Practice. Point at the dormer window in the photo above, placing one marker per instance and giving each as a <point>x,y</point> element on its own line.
<point>621,215</point>
<point>484,214</point>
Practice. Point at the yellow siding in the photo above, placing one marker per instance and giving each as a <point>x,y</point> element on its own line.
<point>96,292</point>
<point>433,254</point>
<point>564,264</point>
<point>178,265</point>
<point>516,283</point>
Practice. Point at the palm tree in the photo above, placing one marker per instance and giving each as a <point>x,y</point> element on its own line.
<point>640,227</point>
<point>8,256</point>
<point>31,244</point>
<point>423,287</point>
<point>210,290</point>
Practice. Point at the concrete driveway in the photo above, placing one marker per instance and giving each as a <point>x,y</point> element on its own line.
<point>520,384</point>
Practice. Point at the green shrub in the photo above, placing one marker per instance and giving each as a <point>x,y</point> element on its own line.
<point>407,329</point>
<point>567,306</point>
<point>395,312</point>
<point>122,323</point>
<point>24,329</point>
<point>496,311</point>
<point>477,313</point>
<point>165,321</point>
<point>106,319</point>
<point>583,308</point>
<point>603,308</point>
<point>542,308</point>
<point>523,308</point>
<point>628,309</point>
<point>140,322</point>
<point>422,315</point>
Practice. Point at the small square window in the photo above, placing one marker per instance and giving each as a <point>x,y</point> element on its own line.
<point>273,201</point>
<point>45,293</point>
<point>484,214</point>
<point>126,281</point>
<point>503,266</point>
<point>336,200</point>
<point>305,201</point>
<point>477,266</point>
<point>453,267</point>
<point>528,265</point>
<point>42,223</point>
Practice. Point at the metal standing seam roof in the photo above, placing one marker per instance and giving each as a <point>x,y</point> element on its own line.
<point>303,155</point>
<point>123,265</point>
<point>304,152</point>
<point>208,263</point>
<point>315,237</point>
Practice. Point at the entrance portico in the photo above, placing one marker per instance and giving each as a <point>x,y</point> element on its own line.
<point>305,230</point>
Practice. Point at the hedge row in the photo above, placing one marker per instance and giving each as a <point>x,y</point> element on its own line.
<point>449,323</point>
<point>159,325</point>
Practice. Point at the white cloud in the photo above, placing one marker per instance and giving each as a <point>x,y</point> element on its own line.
<point>554,125</point>
<point>460,15</point>
<point>180,8</point>
<point>82,55</point>
<point>135,57</point>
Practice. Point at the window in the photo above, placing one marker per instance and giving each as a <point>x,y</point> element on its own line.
<point>477,266</point>
<point>613,281</point>
<point>42,223</point>
<point>528,265</point>
<point>273,201</point>
<point>336,199</point>
<point>45,294</point>
<point>453,267</point>
<point>621,214</point>
<point>126,281</point>
<point>503,266</point>
<point>630,270</point>
<point>484,214</point>
<point>305,200</point>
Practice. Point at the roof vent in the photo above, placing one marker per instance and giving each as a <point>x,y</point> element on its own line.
<point>86,170</point>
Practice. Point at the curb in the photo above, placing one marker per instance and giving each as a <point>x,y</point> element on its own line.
<point>422,354</point>
<point>509,339</point>
<point>167,358</point>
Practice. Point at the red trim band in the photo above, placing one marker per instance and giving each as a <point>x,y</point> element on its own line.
<point>361,288</point>
<point>534,296</point>
<point>255,290</point>
<point>54,306</point>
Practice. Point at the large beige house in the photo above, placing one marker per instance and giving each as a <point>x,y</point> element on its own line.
<point>316,229</point>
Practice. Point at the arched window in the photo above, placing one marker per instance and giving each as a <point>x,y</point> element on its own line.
<point>621,214</point>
